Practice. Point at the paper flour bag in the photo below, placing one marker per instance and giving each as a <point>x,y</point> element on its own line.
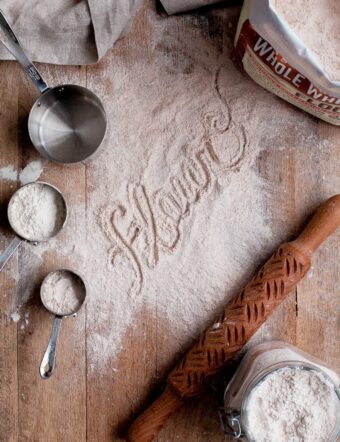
<point>275,57</point>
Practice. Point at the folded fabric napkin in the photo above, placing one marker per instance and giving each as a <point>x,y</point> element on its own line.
<point>68,31</point>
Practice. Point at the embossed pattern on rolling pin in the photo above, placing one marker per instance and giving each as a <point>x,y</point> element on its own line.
<point>240,320</point>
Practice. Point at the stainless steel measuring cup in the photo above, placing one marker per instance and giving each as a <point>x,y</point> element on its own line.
<point>48,362</point>
<point>67,123</point>
<point>20,235</point>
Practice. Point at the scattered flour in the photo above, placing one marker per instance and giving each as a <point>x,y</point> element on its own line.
<point>8,173</point>
<point>15,317</point>
<point>293,405</point>
<point>31,172</point>
<point>175,215</point>
<point>37,212</point>
<point>318,25</point>
<point>63,292</point>
<point>25,321</point>
<point>145,246</point>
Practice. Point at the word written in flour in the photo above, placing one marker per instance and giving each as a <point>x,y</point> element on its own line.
<point>155,218</point>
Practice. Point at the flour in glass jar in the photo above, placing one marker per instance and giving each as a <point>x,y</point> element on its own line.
<point>295,405</point>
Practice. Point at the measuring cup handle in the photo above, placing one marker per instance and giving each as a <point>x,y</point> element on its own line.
<point>11,42</point>
<point>11,248</point>
<point>48,362</point>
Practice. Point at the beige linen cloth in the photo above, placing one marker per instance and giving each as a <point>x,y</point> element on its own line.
<point>68,31</point>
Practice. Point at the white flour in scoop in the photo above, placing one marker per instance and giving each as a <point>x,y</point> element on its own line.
<point>37,212</point>
<point>293,405</point>
<point>63,292</point>
<point>317,23</point>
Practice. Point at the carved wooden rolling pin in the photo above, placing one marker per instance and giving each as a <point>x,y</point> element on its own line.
<point>240,320</point>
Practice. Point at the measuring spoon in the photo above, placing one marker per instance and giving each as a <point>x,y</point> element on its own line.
<point>62,305</point>
<point>68,122</point>
<point>21,235</point>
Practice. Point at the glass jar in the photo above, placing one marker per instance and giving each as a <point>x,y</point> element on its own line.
<point>259,362</point>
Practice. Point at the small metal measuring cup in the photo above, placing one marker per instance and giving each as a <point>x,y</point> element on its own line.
<point>67,123</point>
<point>48,363</point>
<point>20,236</point>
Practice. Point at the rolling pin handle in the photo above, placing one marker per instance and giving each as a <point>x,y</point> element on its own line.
<point>146,427</point>
<point>322,224</point>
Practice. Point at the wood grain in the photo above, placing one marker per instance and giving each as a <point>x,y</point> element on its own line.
<point>58,406</point>
<point>8,331</point>
<point>78,404</point>
<point>318,324</point>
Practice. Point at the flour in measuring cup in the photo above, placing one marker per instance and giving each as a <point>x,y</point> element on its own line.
<point>63,292</point>
<point>37,212</point>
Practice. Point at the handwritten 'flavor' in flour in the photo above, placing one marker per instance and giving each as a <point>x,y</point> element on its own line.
<point>155,218</point>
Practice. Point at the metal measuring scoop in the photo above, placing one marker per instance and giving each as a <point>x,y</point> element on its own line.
<point>48,362</point>
<point>67,123</point>
<point>20,234</point>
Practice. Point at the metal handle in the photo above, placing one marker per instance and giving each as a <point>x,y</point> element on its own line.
<point>230,423</point>
<point>11,42</point>
<point>48,362</point>
<point>11,248</point>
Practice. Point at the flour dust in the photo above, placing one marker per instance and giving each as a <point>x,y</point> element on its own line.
<point>177,211</point>
<point>31,172</point>
<point>175,219</point>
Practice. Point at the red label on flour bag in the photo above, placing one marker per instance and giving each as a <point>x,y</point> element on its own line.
<point>269,68</point>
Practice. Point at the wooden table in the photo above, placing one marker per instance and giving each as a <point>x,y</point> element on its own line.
<point>99,408</point>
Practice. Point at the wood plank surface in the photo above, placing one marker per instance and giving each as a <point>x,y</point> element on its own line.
<point>78,403</point>
<point>8,291</point>
<point>318,324</point>
<point>53,409</point>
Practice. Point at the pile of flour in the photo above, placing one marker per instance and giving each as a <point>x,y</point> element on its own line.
<point>317,24</point>
<point>293,405</point>
<point>63,292</point>
<point>37,212</point>
<point>31,172</point>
